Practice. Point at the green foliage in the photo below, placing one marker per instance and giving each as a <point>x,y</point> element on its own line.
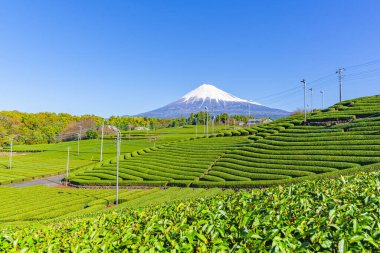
<point>41,204</point>
<point>38,128</point>
<point>91,134</point>
<point>327,215</point>
<point>176,163</point>
<point>275,152</point>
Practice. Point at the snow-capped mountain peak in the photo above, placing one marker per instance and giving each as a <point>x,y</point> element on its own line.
<point>208,97</point>
<point>210,92</point>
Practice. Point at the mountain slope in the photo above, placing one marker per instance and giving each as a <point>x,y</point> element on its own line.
<point>217,102</point>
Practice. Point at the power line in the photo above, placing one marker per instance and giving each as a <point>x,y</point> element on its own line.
<point>322,78</point>
<point>277,94</point>
<point>319,82</point>
<point>285,97</point>
<point>364,72</point>
<point>366,64</point>
<point>363,78</point>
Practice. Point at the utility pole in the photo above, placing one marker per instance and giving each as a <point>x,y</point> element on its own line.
<point>11,153</point>
<point>129,131</point>
<point>304,98</point>
<point>78,144</point>
<point>196,127</point>
<point>311,99</point>
<point>101,143</point>
<point>212,123</point>
<point>340,73</point>
<point>206,121</point>
<point>79,137</point>
<point>117,165</point>
<point>322,98</point>
<point>67,165</point>
<point>212,120</point>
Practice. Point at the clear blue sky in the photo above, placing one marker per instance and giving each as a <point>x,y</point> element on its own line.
<point>126,57</point>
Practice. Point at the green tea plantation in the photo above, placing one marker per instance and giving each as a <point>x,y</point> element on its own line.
<point>326,215</point>
<point>340,139</point>
<point>286,186</point>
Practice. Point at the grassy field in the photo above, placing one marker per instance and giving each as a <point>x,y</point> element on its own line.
<point>327,215</point>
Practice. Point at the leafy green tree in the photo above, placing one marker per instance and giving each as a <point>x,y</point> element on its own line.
<point>91,134</point>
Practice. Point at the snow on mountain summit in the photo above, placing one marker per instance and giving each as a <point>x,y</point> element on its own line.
<point>208,91</point>
<point>218,101</point>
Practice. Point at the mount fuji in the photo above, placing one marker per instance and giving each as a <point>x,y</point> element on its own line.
<point>217,101</point>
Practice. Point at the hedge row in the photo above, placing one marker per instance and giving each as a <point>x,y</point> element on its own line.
<point>262,165</point>
<point>251,174</point>
<point>361,160</point>
<point>323,138</point>
<point>144,175</point>
<point>322,143</point>
<point>267,183</point>
<point>112,172</point>
<point>161,161</point>
<point>313,152</point>
<point>175,174</point>
<point>331,117</point>
<point>168,168</point>
<point>212,178</point>
<point>311,129</point>
<point>313,134</point>
<point>227,177</point>
<point>160,174</point>
<point>328,164</point>
<point>121,183</point>
<point>226,167</point>
<point>255,138</point>
<point>308,146</point>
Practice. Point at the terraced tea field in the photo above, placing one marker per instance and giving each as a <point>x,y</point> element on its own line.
<point>299,151</point>
<point>348,110</point>
<point>39,203</point>
<point>283,151</point>
<point>324,211</point>
<point>177,163</point>
<point>50,159</point>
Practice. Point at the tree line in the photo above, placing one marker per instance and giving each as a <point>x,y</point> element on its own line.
<point>46,127</point>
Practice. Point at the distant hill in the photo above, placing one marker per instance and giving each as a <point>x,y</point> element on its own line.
<point>217,102</point>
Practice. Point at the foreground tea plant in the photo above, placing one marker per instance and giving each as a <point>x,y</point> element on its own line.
<point>326,215</point>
